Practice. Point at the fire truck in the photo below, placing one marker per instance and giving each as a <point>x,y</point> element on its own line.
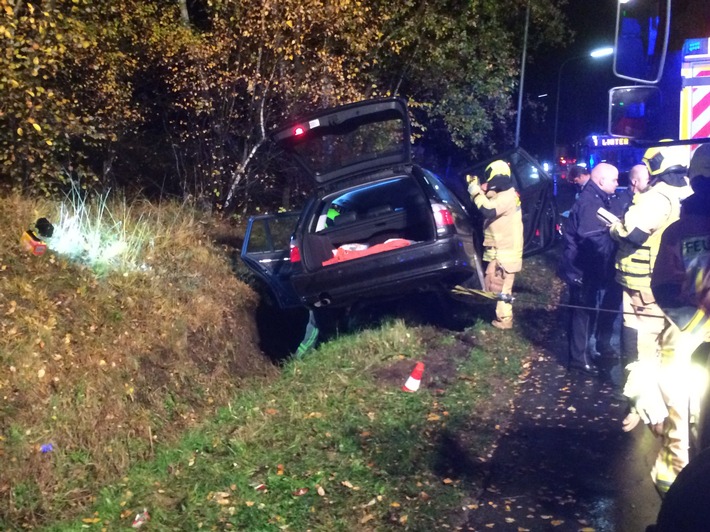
<point>670,68</point>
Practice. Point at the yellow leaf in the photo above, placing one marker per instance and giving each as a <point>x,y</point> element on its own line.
<point>90,520</point>
<point>368,517</point>
<point>36,126</point>
<point>556,522</point>
<point>289,24</point>
<point>20,132</point>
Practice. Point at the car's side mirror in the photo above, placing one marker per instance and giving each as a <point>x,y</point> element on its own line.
<point>635,112</point>
<point>641,40</point>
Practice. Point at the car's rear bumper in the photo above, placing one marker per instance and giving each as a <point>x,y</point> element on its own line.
<point>421,266</point>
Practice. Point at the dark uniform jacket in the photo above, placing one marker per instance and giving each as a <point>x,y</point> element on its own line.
<point>680,275</point>
<point>589,250</point>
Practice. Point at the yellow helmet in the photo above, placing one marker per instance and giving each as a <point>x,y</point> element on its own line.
<point>662,159</point>
<point>495,169</point>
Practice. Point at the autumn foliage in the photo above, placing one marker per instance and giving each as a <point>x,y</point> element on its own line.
<point>177,97</point>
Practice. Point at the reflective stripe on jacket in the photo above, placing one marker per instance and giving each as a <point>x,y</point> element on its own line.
<point>503,233</point>
<point>651,212</point>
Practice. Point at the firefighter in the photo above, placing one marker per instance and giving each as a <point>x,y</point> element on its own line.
<point>681,283</point>
<point>499,204</point>
<point>648,335</point>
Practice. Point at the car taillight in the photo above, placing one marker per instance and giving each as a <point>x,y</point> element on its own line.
<point>443,218</point>
<point>294,253</point>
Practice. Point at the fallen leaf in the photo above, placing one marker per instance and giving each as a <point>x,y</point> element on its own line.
<point>403,520</point>
<point>320,491</point>
<point>556,522</point>
<point>347,484</point>
<point>368,517</point>
<point>433,417</point>
<point>299,492</point>
<point>249,503</point>
<point>280,469</point>
<point>271,411</point>
<point>447,481</point>
<point>90,520</point>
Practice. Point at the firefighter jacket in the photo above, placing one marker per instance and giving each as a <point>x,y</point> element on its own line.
<point>589,251</point>
<point>640,233</point>
<point>502,228</point>
<point>681,275</point>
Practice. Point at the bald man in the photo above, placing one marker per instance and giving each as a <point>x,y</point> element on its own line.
<point>638,179</point>
<point>588,268</point>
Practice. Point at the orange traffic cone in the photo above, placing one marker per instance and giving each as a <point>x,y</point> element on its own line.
<point>415,379</point>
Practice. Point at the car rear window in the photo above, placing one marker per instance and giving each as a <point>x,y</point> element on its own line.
<point>332,148</point>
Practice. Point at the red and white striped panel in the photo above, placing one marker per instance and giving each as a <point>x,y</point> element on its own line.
<point>700,106</point>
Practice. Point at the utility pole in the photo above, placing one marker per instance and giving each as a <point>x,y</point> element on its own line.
<point>522,76</point>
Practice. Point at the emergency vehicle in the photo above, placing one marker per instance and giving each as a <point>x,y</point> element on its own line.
<point>622,152</point>
<point>671,95</point>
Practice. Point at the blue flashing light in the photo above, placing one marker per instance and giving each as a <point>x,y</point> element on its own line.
<point>696,47</point>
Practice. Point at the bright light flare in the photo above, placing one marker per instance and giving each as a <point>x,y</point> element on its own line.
<point>602,52</point>
<point>88,232</point>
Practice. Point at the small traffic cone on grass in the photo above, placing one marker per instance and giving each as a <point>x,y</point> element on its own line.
<point>415,379</point>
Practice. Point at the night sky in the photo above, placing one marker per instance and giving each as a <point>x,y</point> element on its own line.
<point>585,81</point>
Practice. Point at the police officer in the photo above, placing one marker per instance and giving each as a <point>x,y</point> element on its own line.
<point>498,202</point>
<point>587,266</point>
<point>648,335</point>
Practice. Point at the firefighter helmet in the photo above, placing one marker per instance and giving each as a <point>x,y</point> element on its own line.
<point>664,159</point>
<point>497,176</point>
<point>495,169</point>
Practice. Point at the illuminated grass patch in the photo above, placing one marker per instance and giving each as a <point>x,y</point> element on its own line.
<point>101,233</point>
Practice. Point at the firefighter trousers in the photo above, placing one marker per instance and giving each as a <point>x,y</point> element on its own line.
<point>501,282</point>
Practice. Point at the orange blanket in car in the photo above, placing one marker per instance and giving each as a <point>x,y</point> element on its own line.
<point>342,255</point>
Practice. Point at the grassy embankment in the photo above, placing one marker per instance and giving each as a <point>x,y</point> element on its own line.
<point>147,383</point>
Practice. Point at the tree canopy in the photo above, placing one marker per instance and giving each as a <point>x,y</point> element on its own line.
<point>177,96</point>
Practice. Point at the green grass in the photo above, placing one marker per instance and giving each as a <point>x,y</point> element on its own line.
<point>162,402</point>
<point>377,455</point>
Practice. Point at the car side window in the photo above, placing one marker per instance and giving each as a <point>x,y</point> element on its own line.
<point>269,234</point>
<point>439,193</point>
<point>526,173</point>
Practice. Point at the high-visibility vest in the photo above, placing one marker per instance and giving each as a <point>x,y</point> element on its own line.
<point>652,211</point>
<point>503,234</point>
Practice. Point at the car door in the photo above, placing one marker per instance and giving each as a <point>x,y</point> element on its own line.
<point>535,187</point>
<point>266,253</point>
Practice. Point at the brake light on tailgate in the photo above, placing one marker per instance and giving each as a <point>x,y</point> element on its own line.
<point>294,254</point>
<point>443,218</point>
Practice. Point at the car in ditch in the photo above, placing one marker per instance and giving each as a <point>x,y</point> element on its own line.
<point>377,225</point>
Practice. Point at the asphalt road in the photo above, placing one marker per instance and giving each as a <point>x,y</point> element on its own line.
<point>564,463</point>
